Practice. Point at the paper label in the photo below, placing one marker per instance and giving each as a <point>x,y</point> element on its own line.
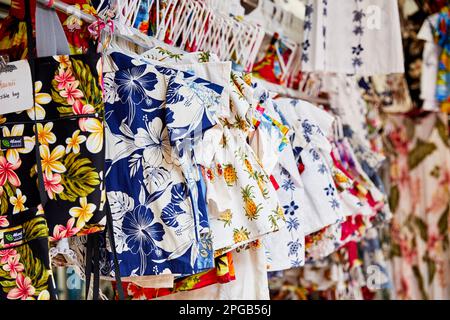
<point>16,88</point>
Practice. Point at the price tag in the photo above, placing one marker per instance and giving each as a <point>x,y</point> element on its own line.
<point>16,87</point>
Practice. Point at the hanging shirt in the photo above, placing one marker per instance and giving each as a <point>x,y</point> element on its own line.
<point>284,249</point>
<point>352,37</point>
<point>311,125</point>
<point>151,181</point>
<point>430,64</point>
<point>242,204</point>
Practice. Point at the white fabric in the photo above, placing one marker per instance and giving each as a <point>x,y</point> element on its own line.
<point>285,249</point>
<point>334,30</point>
<point>321,205</point>
<point>430,63</point>
<point>251,281</point>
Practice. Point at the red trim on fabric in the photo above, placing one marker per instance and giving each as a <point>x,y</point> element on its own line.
<point>274,182</point>
<point>301,167</point>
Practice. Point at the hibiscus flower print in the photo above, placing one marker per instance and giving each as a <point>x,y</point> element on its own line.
<point>155,141</point>
<point>133,83</point>
<point>141,233</point>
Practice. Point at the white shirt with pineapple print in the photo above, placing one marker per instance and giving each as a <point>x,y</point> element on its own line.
<point>242,203</point>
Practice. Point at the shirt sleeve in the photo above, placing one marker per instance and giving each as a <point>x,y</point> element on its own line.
<point>191,107</point>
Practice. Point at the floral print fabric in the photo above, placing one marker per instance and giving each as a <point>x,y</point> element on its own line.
<point>232,170</point>
<point>243,205</point>
<point>284,249</point>
<point>312,149</point>
<point>68,138</point>
<point>25,272</point>
<point>419,244</point>
<point>150,178</point>
<point>69,113</point>
<point>13,29</point>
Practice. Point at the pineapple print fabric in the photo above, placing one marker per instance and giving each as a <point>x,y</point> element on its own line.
<point>284,249</point>
<point>242,203</point>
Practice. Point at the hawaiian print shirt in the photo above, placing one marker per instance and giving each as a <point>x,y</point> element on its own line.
<point>312,151</point>
<point>150,178</point>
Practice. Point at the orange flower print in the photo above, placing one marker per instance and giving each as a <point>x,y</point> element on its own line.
<point>24,289</point>
<point>83,213</point>
<point>7,172</point>
<point>40,98</point>
<point>45,134</point>
<point>18,201</point>
<point>73,143</point>
<point>64,61</point>
<point>50,160</point>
